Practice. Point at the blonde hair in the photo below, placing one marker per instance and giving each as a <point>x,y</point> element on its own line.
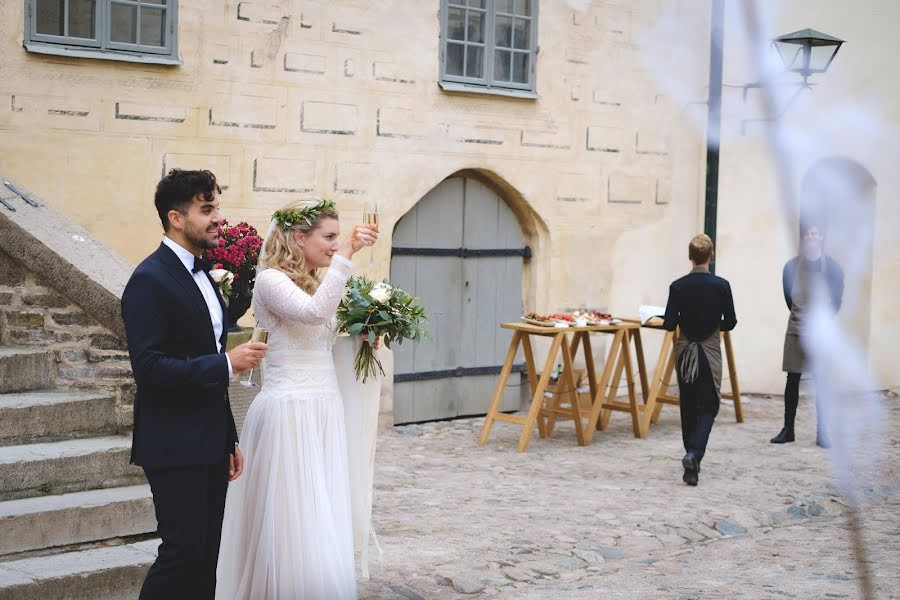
<point>283,253</point>
<point>700,250</point>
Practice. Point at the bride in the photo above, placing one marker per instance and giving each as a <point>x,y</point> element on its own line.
<point>287,531</point>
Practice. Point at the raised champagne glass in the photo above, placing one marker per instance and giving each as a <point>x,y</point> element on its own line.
<point>260,334</point>
<point>370,217</point>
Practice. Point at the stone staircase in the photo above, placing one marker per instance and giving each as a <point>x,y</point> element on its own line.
<point>76,519</point>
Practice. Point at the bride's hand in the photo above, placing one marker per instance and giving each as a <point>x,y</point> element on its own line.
<point>362,236</point>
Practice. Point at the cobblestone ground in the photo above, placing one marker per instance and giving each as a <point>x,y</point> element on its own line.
<point>614,520</point>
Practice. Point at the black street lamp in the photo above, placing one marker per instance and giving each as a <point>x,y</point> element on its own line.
<point>807,51</point>
<point>804,52</point>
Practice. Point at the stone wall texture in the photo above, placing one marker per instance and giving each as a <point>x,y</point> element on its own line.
<point>604,169</point>
<point>33,314</point>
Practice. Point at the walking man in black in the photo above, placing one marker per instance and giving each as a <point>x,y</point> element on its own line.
<point>701,305</point>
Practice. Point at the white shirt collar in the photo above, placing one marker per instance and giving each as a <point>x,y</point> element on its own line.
<point>183,254</point>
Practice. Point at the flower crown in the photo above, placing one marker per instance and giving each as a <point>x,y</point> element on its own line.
<point>289,217</point>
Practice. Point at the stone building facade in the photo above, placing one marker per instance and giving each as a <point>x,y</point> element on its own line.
<point>603,167</point>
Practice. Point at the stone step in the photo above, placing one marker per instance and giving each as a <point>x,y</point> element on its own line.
<point>68,466</point>
<point>23,369</point>
<point>112,573</point>
<point>54,415</point>
<point>66,519</point>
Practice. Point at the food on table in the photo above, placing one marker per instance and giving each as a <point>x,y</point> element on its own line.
<point>562,317</point>
<point>594,317</point>
<point>536,317</point>
<point>574,318</point>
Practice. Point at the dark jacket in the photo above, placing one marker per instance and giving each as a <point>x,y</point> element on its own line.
<point>834,276</point>
<point>700,303</point>
<point>182,416</point>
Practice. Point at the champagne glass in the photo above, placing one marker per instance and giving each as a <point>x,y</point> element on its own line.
<point>260,334</point>
<point>370,217</point>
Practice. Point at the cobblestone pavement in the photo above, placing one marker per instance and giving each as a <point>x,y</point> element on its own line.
<point>614,520</point>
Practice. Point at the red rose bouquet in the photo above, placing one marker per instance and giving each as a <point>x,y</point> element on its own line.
<point>237,253</point>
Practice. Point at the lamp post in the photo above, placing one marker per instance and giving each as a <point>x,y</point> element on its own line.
<point>804,52</point>
<point>714,121</point>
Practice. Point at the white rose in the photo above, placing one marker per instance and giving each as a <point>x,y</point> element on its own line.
<point>221,275</point>
<point>380,294</point>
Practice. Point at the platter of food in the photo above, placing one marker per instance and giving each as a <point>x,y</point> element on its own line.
<point>540,320</point>
<point>570,319</point>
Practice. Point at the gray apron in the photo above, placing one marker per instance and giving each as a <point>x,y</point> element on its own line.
<point>688,361</point>
<point>794,358</point>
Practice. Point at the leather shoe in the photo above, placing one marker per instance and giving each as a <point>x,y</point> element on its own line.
<point>689,462</point>
<point>691,469</point>
<point>786,435</point>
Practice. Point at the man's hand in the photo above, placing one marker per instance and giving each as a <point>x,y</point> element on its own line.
<point>247,356</point>
<point>235,463</point>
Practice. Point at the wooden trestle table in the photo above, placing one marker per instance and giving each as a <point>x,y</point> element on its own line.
<point>603,392</point>
<point>665,367</point>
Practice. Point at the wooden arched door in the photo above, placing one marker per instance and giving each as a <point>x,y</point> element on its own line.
<point>460,250</point>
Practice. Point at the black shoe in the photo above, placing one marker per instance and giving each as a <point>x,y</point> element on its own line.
<point>689,462</point>
<point>691,469</point>
<point>786,435</point>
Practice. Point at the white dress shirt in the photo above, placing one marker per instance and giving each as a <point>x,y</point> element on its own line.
<point>206,288</point>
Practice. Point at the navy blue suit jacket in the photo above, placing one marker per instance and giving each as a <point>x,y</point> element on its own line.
<point>182,416</point>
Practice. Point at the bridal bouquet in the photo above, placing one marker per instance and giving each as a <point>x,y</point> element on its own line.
<point>378,309</point>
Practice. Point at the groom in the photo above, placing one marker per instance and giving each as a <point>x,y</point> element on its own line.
<point>184,432</point>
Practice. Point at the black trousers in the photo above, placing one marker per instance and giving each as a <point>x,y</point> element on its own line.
<point>190,505</point>
<point>699,405</point>
<point>792,400</point>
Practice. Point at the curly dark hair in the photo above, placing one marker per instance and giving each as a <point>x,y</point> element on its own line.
<point>177,190</point>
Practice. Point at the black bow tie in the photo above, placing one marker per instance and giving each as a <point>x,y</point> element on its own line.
<point>202,264</point>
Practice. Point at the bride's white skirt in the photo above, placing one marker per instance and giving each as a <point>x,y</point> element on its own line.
<point>287,532</point>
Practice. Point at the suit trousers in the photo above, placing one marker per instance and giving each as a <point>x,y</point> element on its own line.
<point>189,504</point>
<point>699,405</point>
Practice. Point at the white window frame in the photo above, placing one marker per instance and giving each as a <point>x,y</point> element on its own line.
<point>102,46</point>
<point>487,84</point>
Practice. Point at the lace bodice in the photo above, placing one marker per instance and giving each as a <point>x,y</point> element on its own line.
<point>301,327</point>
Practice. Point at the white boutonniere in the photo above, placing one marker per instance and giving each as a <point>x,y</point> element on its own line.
<point>223,279</point>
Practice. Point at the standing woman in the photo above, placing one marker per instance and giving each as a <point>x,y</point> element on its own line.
<point>803,274</point>
<point>288,527</point>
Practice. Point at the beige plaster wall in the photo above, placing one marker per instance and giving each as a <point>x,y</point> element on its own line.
<point>340,99</point>
<point>853,112</point>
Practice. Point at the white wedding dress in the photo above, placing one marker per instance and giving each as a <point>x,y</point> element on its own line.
<point>288,530</point>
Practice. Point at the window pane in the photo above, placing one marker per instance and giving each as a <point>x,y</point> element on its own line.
<point>504,6</point>
<point>49,15</point>
<point>503,32</point>
<point>123,24</point>
<point>456,24</point>
<point>455,59</point>
<point>522,7</point>
<point>501,65</point>
<point>474,61</point>
<point>456,2</point>
<point>476,3</point>
<point>153,26</point>
<point>523,34</point>
<point>520,67</point>
<point>476,27</point>
<point>83,18</point>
